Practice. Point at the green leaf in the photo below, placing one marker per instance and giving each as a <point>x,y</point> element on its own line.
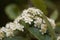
<point>35,32</point>
<point>12,11</point>
<point>54,15</point>
<point>47,37</point>
<point>57,29</point>
<point>50,29</point>
<point>15,38</point>
<point>40,4</point>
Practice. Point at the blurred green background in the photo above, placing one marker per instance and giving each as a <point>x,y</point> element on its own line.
<point>10,9</point>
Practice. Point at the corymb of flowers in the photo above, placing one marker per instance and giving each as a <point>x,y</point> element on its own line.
<point>28,16</point>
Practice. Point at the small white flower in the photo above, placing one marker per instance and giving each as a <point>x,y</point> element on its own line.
<point>25,11</point>
<point>17,19</point>
<point>35,11</point>
<point>19,27</point>
<point>27,18</point>
<point>11,26</point>
<point>52,22</point>
<point>58,38</point>
<point>39,12</point>
<point>7,31</point>
<point>32,11</point>
<point>1,34</point>
<point>15,26</point>
<point>37,22</point>
<point>43,28</point>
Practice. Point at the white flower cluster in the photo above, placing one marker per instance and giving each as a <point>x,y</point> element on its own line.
<point>40,23</point>
<point>32,15</point>
<point>9,29</point>
<point>28,15</point>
